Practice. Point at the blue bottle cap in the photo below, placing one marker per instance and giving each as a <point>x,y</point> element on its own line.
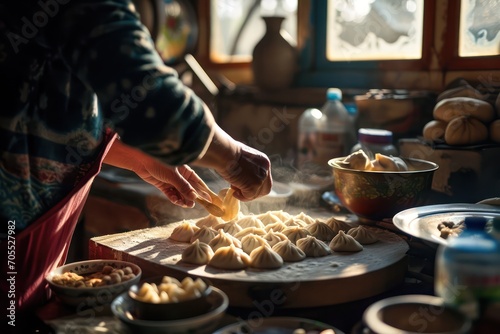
<point>333,94</point>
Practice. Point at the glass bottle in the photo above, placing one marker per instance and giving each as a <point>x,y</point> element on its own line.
<point>373,141</point>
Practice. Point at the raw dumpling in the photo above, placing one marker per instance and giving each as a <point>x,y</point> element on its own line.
<point>388,164</point>
<point>344,243</point>
<point>249,242</point>
<point>204,234</point>
<point>263,257</point>
<point>250,221</point>
<point>184,232</point>
<point>313,247</point>
<point>305,218</point>
<point>273,238</point>
<point>288,251</point>
<point>230,257</point>
<point>223,239</point>
<point>321,231</point>
<point>276,227</point>
<point>363,235</point>
<point>337,225</point>
<point>209,221</point>
<point>230,203</point>
<point>358,160</point>
<point>283,215</point>
<point>295,233</point>
<point>294,222</point>
<point>197,253</point>
<point>231,227</point>
<point>250,230</point>
<point>268,218</point>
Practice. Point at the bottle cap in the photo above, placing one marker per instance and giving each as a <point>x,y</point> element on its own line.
<point>375,136</point>
<point>475,223</point>
<point>333,94</point>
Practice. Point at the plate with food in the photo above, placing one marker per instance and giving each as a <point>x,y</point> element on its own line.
<point>438,223</point>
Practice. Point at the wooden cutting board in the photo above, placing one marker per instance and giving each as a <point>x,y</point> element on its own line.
<point>333,279</point>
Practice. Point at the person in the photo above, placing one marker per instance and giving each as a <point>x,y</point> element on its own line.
<point>81,85</point>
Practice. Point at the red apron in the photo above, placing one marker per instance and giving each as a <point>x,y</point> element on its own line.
<point>44,245</point>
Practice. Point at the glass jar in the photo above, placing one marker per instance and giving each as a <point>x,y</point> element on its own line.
<point>373,141</point>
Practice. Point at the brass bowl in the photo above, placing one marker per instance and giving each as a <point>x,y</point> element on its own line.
<point>376,195</point>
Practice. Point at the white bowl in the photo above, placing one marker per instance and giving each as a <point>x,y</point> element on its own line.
<point>123,308</point>
<point>91,296</point>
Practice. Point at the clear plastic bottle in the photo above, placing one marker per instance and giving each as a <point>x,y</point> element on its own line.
<point>336,133</point>
<point>309,125</point>
<point>468,269</point>
<point>373,141</point>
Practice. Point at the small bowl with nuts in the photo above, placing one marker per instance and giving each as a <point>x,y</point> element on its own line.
<point>86,284</point>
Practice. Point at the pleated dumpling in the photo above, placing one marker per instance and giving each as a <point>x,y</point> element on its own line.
<point>230,257</point>
<point>305,218</point>
<point>198,253</point>
<point>273,238</point>
<point>250,241</point>
<point>337,225</point>
<point>204,234</point>
<point>388,163</point>
<point>363,235</point>
<point>288,251</point>
<point>321,231</point>
<point>263,257</point>
<point>313,247</point>
<point>223,239</point>
<point>283,215</point>
<point>295,233</point>
<point>358,160</point>
<point>209,221</point>
<point>231,227</point>
<point>344,243</point>
<point>250,221</point>
<point>184,232</point>
<point>268,218</point>
<point>293,222</point>
<point>250,230</point>
<point>276,227</point>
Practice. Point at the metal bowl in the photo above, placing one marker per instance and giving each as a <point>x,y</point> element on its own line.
<point>376,195</point>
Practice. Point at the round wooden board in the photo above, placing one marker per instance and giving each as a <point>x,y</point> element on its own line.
<point>333,279</point>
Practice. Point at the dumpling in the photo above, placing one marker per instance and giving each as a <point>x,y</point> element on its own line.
<point>230,203</point>
<point>204,234</point>
<point>344,243</point>
<point>321,231</point>
<point>358,160</point>
<point>184,232</point>
<point>295,233</point>
<point>313,247</point>
<point>231,227</point>
<point>250,221</point>
<point>230,257</point>
<point>363,235</point>
<point>250,230</point>
<point>273,238</point>
<point>223,239</point>
<point>276,227</point>
<point>283,215</point>
<point>305,218</point>
<point>288,251</point>
<point>268,218</point>
<point>385,163</point>
<point>198,253</point>
<point>294,222</point>
<point>263,257</point>
<point>209,221</point>
<point>250,242</point>
<point>337,225</point>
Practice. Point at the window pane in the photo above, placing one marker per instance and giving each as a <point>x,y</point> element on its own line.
<point>374,29</point>
<point>479,28</point>
<point>236,26</point>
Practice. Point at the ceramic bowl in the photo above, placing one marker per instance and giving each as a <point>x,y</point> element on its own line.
<point>172,310</point>
<point>123,308</point>
<point>377,195</point>
<point>411,314</point>
<point>91,296</point>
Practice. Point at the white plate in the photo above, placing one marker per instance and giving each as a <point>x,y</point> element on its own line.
<point>276,325</point>
<point>422,222</point>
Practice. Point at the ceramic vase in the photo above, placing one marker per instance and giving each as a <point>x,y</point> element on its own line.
<point>275,60</point>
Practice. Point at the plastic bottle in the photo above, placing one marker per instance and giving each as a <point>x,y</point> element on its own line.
<point>309,125</point>
<point>373,141</point>
<point>468,269</point>
<point>335,133</point>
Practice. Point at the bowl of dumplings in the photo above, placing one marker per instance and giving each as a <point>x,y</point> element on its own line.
<point>167,298</point>
<point>378,188</point>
